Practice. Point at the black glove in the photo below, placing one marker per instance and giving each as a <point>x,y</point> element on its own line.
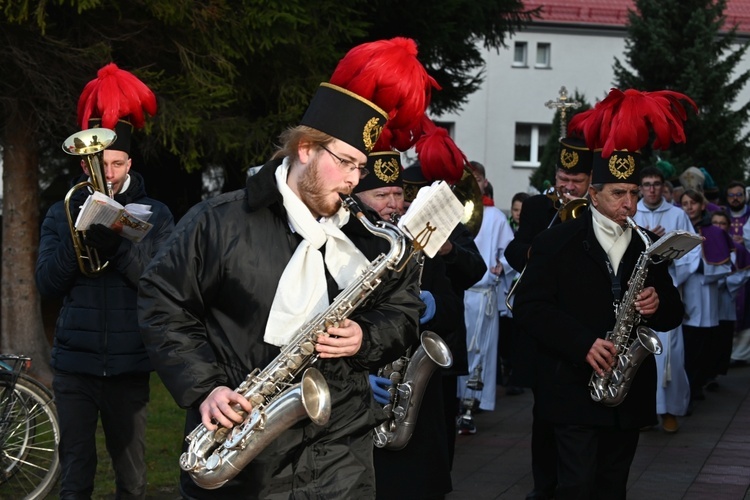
<point>103,239</point>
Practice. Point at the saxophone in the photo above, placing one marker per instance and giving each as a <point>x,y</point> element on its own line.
<point>611,388</point>
<point>410,377</point>
<point>215,457</point>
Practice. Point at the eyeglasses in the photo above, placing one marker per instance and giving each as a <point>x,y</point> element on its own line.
<point>735,195</point>
<point>348,165</point>
<point>652,185</point>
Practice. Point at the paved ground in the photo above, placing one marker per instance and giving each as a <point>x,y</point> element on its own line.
<point>709,458</point>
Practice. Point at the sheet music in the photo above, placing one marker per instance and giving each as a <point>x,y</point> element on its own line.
<point>129,221</point>
<point>675,244</point>
<point>432,216</point>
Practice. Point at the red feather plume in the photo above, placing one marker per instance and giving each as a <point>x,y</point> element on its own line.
<point>440,157</point>
<point>388,73</point>
<point>625,120</point>
<point>115,94</point>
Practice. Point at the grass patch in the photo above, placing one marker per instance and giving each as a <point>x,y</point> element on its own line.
<point>166,422</point>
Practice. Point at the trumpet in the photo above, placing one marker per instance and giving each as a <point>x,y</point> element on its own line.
<point>566,210</point>
<point>89,144</point>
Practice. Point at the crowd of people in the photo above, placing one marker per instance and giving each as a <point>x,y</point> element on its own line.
<point>223,292</point>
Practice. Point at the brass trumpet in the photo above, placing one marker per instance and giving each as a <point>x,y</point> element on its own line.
<point>469,193</point>
<point>566,210</point>
<point>89,144</point>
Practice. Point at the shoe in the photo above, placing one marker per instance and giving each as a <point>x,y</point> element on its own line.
<point>669,423</point>
<point>712,385</point>
<point>466,425</point>
<point>647,428</point>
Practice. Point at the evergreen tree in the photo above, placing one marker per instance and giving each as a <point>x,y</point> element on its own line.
<point>229,77</point>
<point>686,46</point>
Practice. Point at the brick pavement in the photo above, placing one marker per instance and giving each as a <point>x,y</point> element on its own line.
<point>708,459</point>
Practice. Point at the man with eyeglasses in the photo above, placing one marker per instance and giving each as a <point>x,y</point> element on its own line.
<point>658,215</point>
<point>246,270</point>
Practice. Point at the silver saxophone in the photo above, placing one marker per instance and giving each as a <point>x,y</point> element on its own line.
<point>409,377</point>
<point>611,388</point>
<point>215,457</point>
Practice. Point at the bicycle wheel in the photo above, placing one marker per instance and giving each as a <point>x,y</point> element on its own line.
<point>29,438</point>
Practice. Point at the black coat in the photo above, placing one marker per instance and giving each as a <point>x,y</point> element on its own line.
<point>204,302</point>
<point>97,329</point>
<point>464,266</point>
<point>564,302</point>
<point>422,469</point>
<point>537,212</point>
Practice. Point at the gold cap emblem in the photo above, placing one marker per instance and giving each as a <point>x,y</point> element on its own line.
<point>622,167</point>
<point>371,133</point>
<point>568,158</point>
<point>387,171</point>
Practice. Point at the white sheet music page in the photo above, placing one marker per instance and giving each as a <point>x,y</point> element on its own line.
<point>432,216</point>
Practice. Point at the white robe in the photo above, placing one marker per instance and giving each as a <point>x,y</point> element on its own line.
<point>741,346</point>
<point>672,387</point>
<point>481,308</point>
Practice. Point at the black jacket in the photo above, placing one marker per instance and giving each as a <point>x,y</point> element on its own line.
<point>97,329</point>
<point>564,301</point>
<point>205,299</point>
<point>537,212</point>
<point>464,266</point>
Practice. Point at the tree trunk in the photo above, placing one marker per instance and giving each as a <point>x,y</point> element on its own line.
<point>21,328</point>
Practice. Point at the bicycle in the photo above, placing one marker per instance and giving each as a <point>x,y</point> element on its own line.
<point>29,432</point>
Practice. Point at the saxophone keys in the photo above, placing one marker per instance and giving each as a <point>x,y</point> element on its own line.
<point>188,461</point>
<point>213,462</point>
<point>268,388</point>
<point>294,361</point>
<point>307,348</point>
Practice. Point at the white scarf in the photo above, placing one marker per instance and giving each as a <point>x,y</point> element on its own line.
<point>302,291</point>
<point>611,236</point>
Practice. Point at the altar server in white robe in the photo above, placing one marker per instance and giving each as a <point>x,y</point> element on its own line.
<point>700,329</point>
<point>656,214</point>
<point>481,306</point>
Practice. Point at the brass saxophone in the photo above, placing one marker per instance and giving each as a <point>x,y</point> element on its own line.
<point>215,457</point>
<point>410,376</point>
<point>611,388</point>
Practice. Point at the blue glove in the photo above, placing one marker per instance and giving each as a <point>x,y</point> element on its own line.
<point>429,301</point>
<point>380,387</point>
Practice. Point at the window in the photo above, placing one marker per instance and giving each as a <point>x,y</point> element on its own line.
<point>529,145</point>
<point>519,54</point>
<point>449,126</point>
<point>543,51</point>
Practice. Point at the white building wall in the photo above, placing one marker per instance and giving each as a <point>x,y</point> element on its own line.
<point>485,128</point>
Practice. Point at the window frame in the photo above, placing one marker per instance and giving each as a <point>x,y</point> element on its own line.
<point>535,144</point>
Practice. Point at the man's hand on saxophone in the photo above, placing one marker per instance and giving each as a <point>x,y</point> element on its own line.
<point>601,356</point>
<point>220,408</point>
<point>341,342</point>
<point>647,301</point>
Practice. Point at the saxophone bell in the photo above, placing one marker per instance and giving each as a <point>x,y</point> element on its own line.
<point>410,376</point>
<point>215,457</point>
